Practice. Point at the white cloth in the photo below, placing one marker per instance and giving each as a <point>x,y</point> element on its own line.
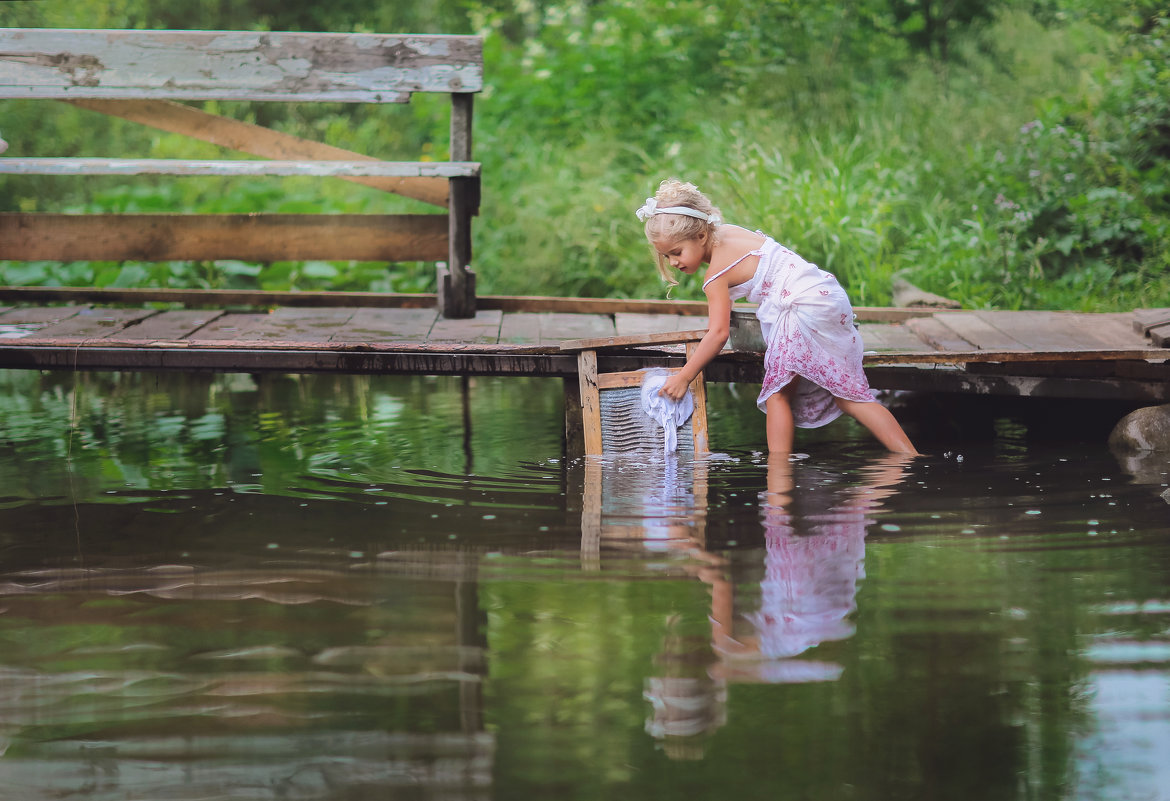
<point>670,414</point>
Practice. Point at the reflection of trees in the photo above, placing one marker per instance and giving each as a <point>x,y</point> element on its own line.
<point>164,431</point>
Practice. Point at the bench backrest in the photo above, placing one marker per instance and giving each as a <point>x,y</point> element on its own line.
<point>59,64</point>
<point>140,74</point>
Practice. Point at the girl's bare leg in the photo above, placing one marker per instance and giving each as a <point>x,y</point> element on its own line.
<point>781,426</point>
<point>881,423</point>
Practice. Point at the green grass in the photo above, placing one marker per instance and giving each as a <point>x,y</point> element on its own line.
<point>1029,171</point>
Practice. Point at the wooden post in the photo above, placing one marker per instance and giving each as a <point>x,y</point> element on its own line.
<point>456,281</point>
<point>590,401</point>
<point>699,417</point>
<point>574,419</point>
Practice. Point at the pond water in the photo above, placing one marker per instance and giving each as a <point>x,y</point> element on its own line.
<point>314,587</point>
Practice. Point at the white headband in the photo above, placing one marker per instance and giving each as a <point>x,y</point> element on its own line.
<point>650,209</point>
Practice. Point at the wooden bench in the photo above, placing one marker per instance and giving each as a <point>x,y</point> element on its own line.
<point>143,75</point>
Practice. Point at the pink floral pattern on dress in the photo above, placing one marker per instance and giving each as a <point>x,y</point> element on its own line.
<point>807,326</point>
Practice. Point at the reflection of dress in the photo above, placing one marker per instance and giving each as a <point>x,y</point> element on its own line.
<point>809,585</point>
<point>807,323</point>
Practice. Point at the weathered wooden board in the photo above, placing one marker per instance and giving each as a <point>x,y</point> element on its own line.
<point>247,237</point>
<point>236,65</point>
<point>1038,330</point>
<point>231,326</point>
<point>298,325</point>
<point>170,325</point>
<point>627,324</point>
<point>39,315</point>
<point>973,328</point>
<point>1111,330</point>
<point>94,323</point>
<point>520,327</point>
<point>1160,336</point>
<point>221,298</point>
<point>233,168</point>
<point>1145,319</point>
<point>483,328</point>
<point>891,336</point>
<point>937,334</point>
<point>555,327</point>
<point>636,340</point>
<point>257,140</point>
<point>387,325</point>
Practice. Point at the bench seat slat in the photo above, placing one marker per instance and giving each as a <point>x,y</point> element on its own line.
<point>53,63</point>
<point>237,167</point>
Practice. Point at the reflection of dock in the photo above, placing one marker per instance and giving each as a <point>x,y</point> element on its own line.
<point>302,700</point>
<point>1052,354</point>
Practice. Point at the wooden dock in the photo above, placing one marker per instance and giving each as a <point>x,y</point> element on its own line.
<point>1027,353</point>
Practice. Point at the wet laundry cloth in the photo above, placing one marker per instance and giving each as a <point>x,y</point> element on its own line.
<point>670,414</point>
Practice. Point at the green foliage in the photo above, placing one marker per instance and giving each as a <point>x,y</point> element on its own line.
<point>1014,155</point>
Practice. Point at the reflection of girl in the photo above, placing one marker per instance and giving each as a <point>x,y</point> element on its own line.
<point>809,583</point>
<point>812,564</point>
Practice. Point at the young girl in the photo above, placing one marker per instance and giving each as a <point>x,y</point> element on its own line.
<point>812,365</point>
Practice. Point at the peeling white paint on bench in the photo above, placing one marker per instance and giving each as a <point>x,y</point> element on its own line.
<point>365,169</point>
<point>49,63</point>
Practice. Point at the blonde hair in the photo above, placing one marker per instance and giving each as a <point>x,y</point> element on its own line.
<point>669,229</point>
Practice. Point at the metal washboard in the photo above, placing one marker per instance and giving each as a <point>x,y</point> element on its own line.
<point>611,406</point>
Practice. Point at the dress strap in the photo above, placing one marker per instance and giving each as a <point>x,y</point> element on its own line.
<point>756,252</point>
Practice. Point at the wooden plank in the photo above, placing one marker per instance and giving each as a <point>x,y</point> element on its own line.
<point>234,168</point>
<point>230,326</point>
<point>247,237</point>
<point>937,334</point>
<point>218,297</point>
<point>621,380</point>
<point>484,327</point>
<point>95,323</point>
<point>555,327</point>
<point>668,337</point>
<point>1145,319</point>
<point>1038,330</point>
<point>170,325</point>
<point>967,357</point>
<point>257,140</point>
<point>631,324</point>
<point>590,401</point>
<point>39,316</point>
<point>978,331</point>
<point>1160,336</point>
<point>234,65</point>
<point>1112,330</point>
<point>891,336</point>
<point>519,327</point>
<point>387,325</point>
<point>1094,331</point>
<point>917,379</point>
<point>298,325</point>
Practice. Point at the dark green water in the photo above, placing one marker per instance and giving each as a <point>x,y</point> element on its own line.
<point>311,587</point>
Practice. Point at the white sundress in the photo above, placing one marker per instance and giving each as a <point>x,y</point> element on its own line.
<point>807,323</point>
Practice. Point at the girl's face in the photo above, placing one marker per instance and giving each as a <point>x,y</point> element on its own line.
<point>687,255</point>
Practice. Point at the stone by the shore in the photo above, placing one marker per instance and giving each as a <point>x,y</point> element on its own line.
<point>1146,429</point>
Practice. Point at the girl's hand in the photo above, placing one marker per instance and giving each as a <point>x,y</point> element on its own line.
<point>675,387</point>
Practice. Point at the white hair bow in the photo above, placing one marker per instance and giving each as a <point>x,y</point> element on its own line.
<point>650,208</point>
